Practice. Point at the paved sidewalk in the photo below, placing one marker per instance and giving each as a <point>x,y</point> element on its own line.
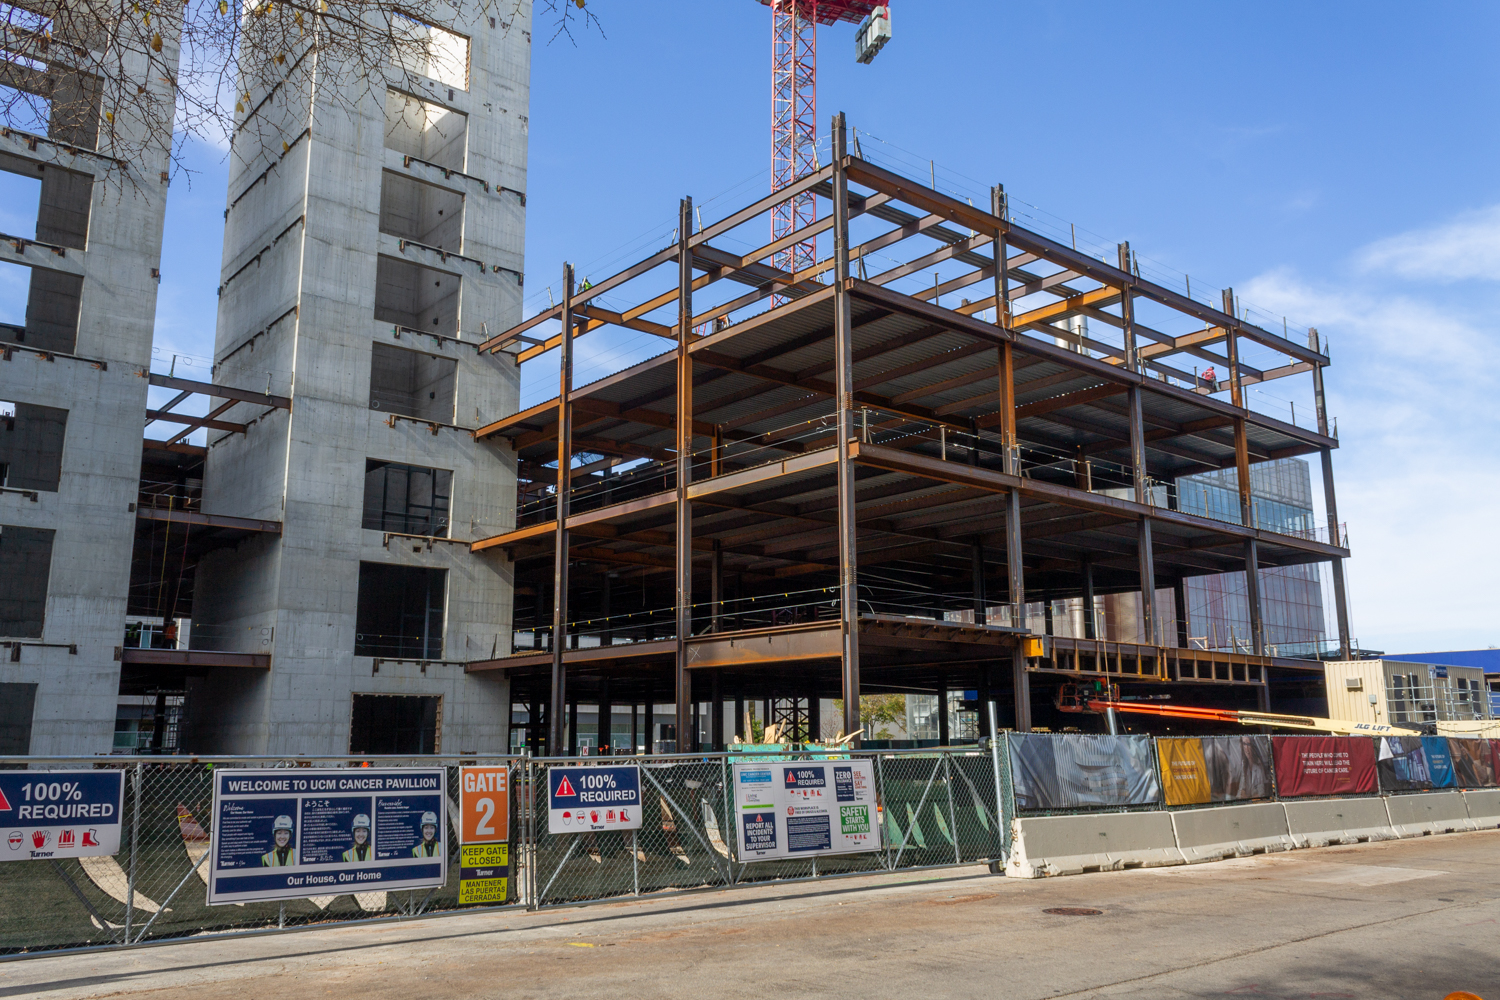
<point>1408,920</point>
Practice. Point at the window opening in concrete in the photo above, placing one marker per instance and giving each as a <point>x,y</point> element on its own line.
<point>20,200</point>
<point>406,498</point>
<point>49,321</point>
<point>31,445</point>
<point>149,722</point>
<point>25,566</point>
<point>427,131</point>
<point>430,51</point>
<point>49,98</point>
<point>416,297</point>
<point>45,203</point>
<point>422,213</point>
<point>17,705</point>
<point>412,383</point>
<point>400,612</point>
<point>400,723</point>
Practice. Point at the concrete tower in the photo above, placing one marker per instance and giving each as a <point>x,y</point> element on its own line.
<point>374,235</point>
<point>73,374</point>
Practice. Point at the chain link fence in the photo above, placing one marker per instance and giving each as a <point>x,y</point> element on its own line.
<point>936,808</point>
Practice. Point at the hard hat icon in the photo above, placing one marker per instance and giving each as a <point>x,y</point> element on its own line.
<point>282,823</point>
<point>429,819</point>
<point>361,821</point>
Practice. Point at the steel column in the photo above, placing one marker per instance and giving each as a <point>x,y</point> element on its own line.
<point>1237,397</point>
<point>1143,495</point>
<point>683,683</point>
<point>1252,597</point>
<point>1011,463</point>
<point>1020,680</point>
<point>1090,624</point>
<point>1331,509</point>
<point>1127,313</point>
<point>1179,597</point>
<point>843,343</point>
<point>1147,561</point>
<point>560,554</point>
<point>977,582</point>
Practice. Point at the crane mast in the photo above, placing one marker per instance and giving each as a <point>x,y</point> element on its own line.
<point>794,105</point>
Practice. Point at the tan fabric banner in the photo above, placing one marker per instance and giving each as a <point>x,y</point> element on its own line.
<point>1184,774</point>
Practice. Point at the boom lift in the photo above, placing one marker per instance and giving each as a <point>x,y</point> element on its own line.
<point>1078,698</point>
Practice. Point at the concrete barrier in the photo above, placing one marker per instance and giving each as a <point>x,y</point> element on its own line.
<point>1484,807</point>
<point>1320,822</point>
<point>1428,812</point>
<point>1072,845</point>
<point>1231,831</point>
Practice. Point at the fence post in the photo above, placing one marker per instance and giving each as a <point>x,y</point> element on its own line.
<point>880,798</point>
<point>1001,822</point>
<point>952,813</point>
<point>135,834</point>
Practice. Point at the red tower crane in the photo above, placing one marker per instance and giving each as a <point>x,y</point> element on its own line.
<point>794,102</point>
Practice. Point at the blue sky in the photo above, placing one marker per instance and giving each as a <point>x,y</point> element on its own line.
<point>1337,164</point>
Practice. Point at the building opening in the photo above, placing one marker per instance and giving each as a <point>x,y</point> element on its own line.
<point>25,565</point>
<point>406,498</point>
<point>31,445</point>
<point>412,384</point>
<point>384,723</point>
<point>400,612</point>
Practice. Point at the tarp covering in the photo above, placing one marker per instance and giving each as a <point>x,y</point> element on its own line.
<point>1068,771</point>
<point>1196,770</point>
<point>1324,765</point>
<point>1473,762</point>
<point>1410,763</point>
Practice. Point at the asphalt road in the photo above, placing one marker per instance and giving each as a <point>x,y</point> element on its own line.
<point>1409,920</point>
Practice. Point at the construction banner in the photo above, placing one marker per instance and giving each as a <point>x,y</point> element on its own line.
<point>1070,772</point>
<point>1414,763</point>
<point>1197,770</point>
<point>1324,765</point>
<point>1473,762</point>
<point>1184,774</point>
<point>1239,767</point>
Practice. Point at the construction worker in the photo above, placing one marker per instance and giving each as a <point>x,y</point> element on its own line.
<point>428,848</point>
<point>279,856</point>
<point>361,849</point>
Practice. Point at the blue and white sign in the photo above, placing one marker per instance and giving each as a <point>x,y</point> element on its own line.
<point>60,814</point>
<point>789,809</point>
<point>289,834</point>
<point>590,799</point>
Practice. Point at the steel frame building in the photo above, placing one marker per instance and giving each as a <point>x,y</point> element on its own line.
<point>820,498</point>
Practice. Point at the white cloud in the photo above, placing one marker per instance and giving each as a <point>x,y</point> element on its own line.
<point>1417,470</point>
<point>1468,247</point>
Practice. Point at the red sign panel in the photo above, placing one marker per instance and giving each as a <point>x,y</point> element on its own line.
<point>1324,765</point>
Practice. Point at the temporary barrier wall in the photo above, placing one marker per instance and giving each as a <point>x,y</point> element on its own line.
<point>1231,831</point>
<point>1473,762</point>
<point>1078,771</point>
<point>1202,769</point>
<point>1324,765</point>
<point>1428,813</point>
